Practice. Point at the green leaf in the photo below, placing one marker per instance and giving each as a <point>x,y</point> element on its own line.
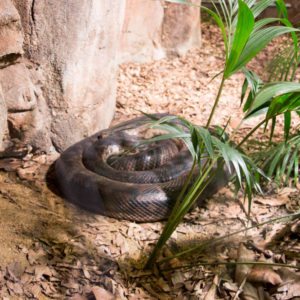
<point>258,40</point>
<point>263,22</point>
<point>261,6</point>
<point>287,124</point>
<point>280,160</point>
<point>243,30</point>
<point>205,136</point>
<point>270,91</point>
<point>272,129</point>
<point>254,83</point>
<point>292,161</point>
<point>221,25</point>
<point>281,8</point>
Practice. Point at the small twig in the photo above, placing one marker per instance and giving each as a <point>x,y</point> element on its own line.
<point>226,263</point>
<point>257,249</point>
<point>213,241</point>
<point>240,289</point>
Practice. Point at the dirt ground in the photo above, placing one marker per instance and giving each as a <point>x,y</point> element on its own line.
<point>51,249</point>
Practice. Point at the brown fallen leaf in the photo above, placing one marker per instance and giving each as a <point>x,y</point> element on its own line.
<point>295,228</point>
<point>86,273</point>
<point>249,292</point>
<point>102,294</point>
<point>14,271</point>
<point>211,294</point>
<point>177,279</point>
<point>290,286</point>
<point>41,271</point>
<point>162,284</point>
<point>35,290</point>
<point>14,288</point>
<point>278,201</point>
<point>264,274</point>
<point>152,292</point>
<point>243,270</point>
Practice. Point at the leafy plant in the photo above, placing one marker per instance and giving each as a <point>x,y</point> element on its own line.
<point>244,37</point>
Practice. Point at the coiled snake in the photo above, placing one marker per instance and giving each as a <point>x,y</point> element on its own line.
<point>140,186</point>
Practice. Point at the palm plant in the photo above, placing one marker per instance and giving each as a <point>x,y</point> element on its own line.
<point>244,37</point>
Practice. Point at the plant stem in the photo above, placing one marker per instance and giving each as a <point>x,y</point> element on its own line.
<point>193,194</point>
<point>250,133</point>
<point>213,241</point>
<point>232,263</point>
<point>216,102</point>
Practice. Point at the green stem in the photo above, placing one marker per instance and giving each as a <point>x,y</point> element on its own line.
<point>216,102</point>
<point>192,195</point>
<point>183,190</point>
<point>162,240</point>
<point>250,133</point>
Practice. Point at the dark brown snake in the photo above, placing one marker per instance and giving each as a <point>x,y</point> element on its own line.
<point>139,186</point>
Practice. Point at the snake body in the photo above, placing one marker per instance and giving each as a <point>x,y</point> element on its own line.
<point>140,186</point>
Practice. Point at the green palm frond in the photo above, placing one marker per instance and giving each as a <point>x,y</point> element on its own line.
<point>254,84</point>
<point>211,154</point>
<point>275,99</point>
<point>281,161</point>
<point>283,66</point>
<point>244,37</point>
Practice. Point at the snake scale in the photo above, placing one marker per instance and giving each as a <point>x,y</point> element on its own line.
<point>140,185</point>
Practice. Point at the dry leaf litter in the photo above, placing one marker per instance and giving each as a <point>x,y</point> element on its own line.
<point>52,250</point>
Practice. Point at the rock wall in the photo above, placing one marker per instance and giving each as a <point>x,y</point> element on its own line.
<point>59,61</point>
<point>156,29</point>
<point>58,69</point>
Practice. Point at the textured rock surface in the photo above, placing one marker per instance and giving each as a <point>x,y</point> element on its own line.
<point>141,31</point>
<point>155,29</point>
<point>74,46</point>
<point>181,27</point>
<point>17,88</point>
<point>11,38</point>
<point>3,118</point>
<point>59,60</point>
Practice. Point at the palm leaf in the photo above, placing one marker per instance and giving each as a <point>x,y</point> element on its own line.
<point>258,41</point>
<point>242,33</point>
<point>273,92</point>
<point>212,153</point>
<point>281,160</point>
<point>254,83</point>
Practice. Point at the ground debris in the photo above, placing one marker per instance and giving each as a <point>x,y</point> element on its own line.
<point>70,254</point>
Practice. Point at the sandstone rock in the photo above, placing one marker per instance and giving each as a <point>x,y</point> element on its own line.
<point>28,114</point>
<point>63,87</point>
<point>18,90</point>
<point>32,127</point>
<point>181,27</point>
<point>74,45</point>
<point>3,118</point>
<point>155,29</point>
<point>11,38</point>
<point>141,31</point>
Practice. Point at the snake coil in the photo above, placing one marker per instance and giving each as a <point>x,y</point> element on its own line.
<point>139,186</point>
